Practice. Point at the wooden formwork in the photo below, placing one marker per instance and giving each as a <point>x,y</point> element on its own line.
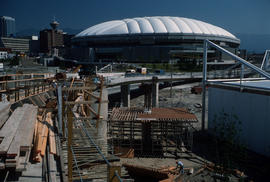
<point>150,135</point>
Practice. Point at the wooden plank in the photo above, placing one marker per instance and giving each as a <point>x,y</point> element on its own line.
<point>29,130</point>
<point>79,102</point>
<point>4,112</point>
<point>36,155</point>
<point>25,131</point>
<point>12,163</point>
<point>51,136</point>
<point>40,137</point>
<point>91,94</point>
<point>45,136</point>
<point>8,131</point>
<point>22,162</point>
<point>35,131</point>
<point>92,110</point>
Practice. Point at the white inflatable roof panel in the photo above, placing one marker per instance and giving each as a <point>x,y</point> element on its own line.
<point>156,25</point>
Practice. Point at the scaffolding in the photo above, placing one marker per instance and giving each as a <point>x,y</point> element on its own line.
<point>84,147</point>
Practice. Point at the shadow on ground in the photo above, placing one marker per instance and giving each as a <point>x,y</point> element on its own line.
<point>255,166</point>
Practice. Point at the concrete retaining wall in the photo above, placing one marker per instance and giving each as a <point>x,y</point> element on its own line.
<point>251,109</point>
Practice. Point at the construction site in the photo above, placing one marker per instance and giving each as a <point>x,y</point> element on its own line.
<point>55,128</point>
<point>60,127</point>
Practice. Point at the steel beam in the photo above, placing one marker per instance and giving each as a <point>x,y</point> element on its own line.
<point>237,58</point>
<point>204,82</point>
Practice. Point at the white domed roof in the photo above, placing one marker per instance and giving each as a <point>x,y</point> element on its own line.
<point>156,25</point>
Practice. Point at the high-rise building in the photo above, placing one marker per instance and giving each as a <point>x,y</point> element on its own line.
<point>7,26</point>
<point>16,45</point>
<point>51,38</point>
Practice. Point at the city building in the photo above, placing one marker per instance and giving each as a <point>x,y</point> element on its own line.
<point>16,45</point>
<point>51,38</point>
<point>151,39</point>
<point>34,45</point>
<point>3,54</point>
<point>7,27</point>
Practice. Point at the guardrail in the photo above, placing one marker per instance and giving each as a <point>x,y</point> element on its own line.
<point>20,86</point>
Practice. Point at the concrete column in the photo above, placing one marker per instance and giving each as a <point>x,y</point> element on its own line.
<point>147,95</point>
<point>125,95</point>
<point>154,89</point>
<point>155,102</point>
<point>102,126</point>
<point>101,135</point>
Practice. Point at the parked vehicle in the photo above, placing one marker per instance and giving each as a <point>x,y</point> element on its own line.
<point>142,71</point>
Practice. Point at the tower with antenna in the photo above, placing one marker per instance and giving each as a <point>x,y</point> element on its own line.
<point>51,40</point>
<point>54,24</point>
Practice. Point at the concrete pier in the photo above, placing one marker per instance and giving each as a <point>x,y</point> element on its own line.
<point>151,94</point>
<point>125,95</point>
<point>155,86</point>
<point>147,95</point>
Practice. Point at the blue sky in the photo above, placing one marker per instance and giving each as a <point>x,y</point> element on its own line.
<point>236,16</point>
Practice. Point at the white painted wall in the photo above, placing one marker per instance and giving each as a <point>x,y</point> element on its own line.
<point>253,110</point>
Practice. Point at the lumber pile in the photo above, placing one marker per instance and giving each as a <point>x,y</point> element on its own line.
<point>16,137</point>
<point>44,134</point>
<point>4,112</point>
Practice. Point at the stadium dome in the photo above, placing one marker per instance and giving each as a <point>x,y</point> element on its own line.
<point>156,25</point>
<point>158,38</point>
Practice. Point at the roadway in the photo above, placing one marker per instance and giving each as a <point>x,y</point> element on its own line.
<point>116,79</point>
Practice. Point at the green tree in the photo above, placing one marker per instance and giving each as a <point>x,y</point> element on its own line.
<point>229,149</point>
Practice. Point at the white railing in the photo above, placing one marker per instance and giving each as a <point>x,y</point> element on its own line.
<point>265,61</point>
